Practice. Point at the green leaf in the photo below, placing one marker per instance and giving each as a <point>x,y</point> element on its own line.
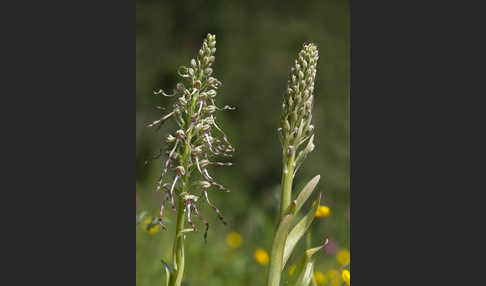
<point>303,154</point>
<point>306,192</point>
<point>168,272</point>
<point>305,268</point>
<point>298,231</point>
<point>292,208</point>
<point>312,251</point>
<point>305,275</point>
<point>283,228</point>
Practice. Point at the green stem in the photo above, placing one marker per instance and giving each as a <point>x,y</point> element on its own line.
<point>308,245</point>
<point>308,239</point>
<point>278,246</point>
<point>178,249</point>
<point>276,257</point>
<point>287,179</point>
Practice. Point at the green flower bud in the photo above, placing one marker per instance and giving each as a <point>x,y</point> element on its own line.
<point>206,127</point>
<point>204,184</point>
<point>180,88</point>
<point>198,150</point>
<point>212,93</point>
<point>197,84</point>
<point>204,163</point>
<point>180,134</point>
<point>180,170</point>
<point>297,113</point>
<point>182,100</point>
<point>203,95</point>
<point>170,139</point>
<point>210,109</point>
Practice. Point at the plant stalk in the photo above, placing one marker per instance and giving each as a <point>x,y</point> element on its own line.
<point>287,179</point>
<point>178,248</point>
<point>308,239</point>
<point>278,246</point>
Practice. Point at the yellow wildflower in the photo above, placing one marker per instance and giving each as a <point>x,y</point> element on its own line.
<point>334,277</point>
<point>336,282</point>
<point>292,269</point>
<point>332,273</point>
<point>343,256</point>
<point>146,221</point>
<point>153,229</point>
<point>319,278</point>
<point>323,211</point>
<point>233,239</point>
<point>346,277</point>
<point>261,256</point>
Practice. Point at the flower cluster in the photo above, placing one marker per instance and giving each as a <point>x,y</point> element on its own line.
<point>194,144</point>
<point>295,122</point>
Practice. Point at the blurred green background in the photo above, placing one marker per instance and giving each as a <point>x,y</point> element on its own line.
<point>257,42</point>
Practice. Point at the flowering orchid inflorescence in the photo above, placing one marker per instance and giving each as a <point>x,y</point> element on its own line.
<point>194,145</point>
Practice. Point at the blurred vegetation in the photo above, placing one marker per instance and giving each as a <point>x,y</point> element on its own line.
<point>257,42</point>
